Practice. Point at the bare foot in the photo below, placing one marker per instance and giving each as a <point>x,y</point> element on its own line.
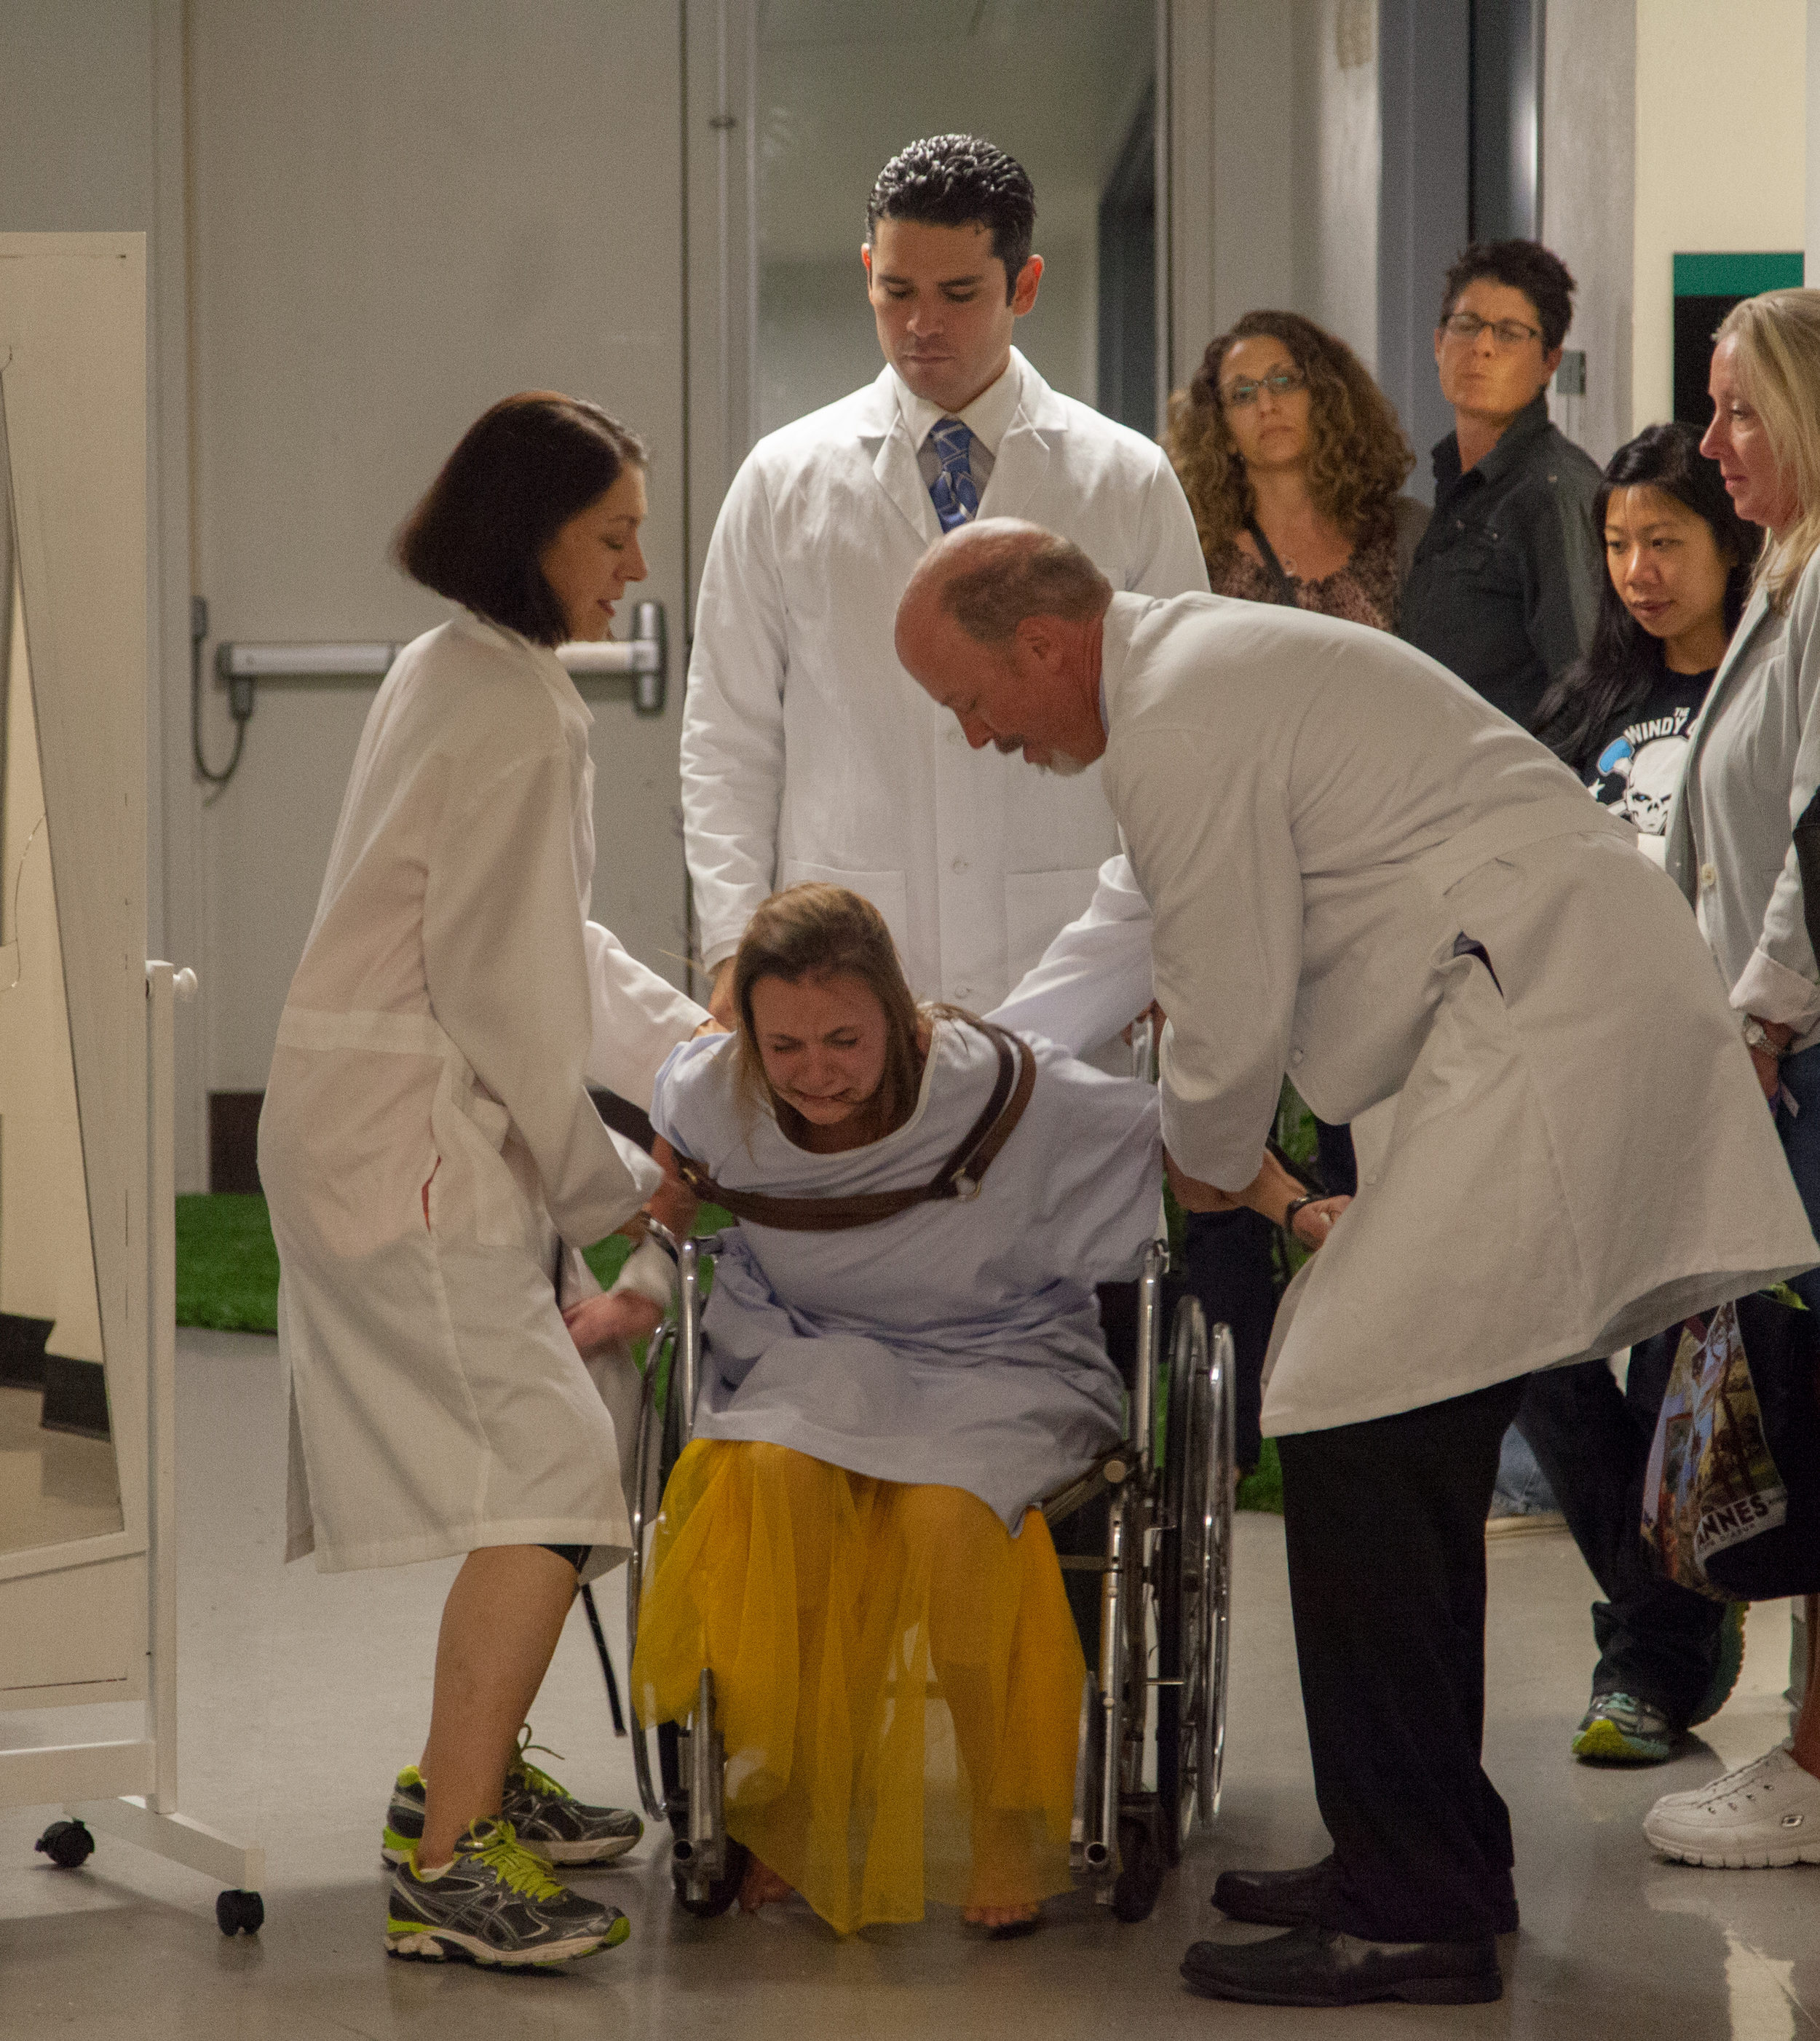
<point>999,1916</point>
<point>760,1886</point>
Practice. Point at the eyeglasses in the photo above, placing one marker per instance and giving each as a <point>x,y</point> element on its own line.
<point>1235,396</point>
<point>1508,332</point>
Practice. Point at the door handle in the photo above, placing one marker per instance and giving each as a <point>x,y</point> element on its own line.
<point>643,657</point>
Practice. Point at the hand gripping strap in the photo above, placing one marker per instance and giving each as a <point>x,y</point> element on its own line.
<point>958,1178</point>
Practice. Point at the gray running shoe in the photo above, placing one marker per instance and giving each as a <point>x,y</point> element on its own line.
<point>551,1822</point>
<point>494,1903</point>
<point>1618,1728</point>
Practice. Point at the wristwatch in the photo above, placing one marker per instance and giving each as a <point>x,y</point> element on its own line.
<point>1756,1036</point>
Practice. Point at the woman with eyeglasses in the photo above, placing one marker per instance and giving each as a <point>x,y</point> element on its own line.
<point>1292,459</point>
<point>1504,585</point>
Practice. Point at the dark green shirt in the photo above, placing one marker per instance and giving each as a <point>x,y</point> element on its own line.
<point>1504,585</point>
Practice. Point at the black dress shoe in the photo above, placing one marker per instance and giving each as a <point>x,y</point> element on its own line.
<point>1291,1898</point>
<point>1320,1967</point>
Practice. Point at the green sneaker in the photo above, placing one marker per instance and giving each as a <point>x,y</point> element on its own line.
<point>1730,1663</point>
<point>1619,1730</point>
<point>494,1903</point>
<point>549,1822</point>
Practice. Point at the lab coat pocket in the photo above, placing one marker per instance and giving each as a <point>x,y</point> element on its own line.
<point>475,1190</point>
<point>1038,905</point>
<point>886,890</point>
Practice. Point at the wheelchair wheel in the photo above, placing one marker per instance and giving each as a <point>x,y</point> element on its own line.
<point>1178,1600</point>
<point>723,1891</point>
<point>657,1453</point>
<point>1223,1397</point>
<point>1193,1577</point>
<point>1141,1867</point>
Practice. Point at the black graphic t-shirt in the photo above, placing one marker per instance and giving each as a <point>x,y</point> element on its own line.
<point>1640,757</point>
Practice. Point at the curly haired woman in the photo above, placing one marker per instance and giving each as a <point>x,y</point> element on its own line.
<point>1292,458</point>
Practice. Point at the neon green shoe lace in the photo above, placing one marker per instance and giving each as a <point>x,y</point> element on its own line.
<point>539,1780</point>
<point>502,1852</point>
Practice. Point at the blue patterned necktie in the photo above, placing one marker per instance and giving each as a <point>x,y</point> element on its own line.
<point>956,500</point>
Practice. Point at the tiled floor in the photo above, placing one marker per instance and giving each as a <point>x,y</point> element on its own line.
<point>303,1692</point>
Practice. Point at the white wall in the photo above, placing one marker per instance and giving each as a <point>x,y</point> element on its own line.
<point>400,214</point>
<point>1276,167</point>
<point>1334,179</point>
<point>1589,190</point>
<point>1721,156</point>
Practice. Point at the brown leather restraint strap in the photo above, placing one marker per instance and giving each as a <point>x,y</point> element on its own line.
<point>958,1176</point>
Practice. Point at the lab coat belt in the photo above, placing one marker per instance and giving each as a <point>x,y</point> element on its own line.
<point>1516,829</point>
<point>386,1034</point>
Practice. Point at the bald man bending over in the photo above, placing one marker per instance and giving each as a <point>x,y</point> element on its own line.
<point>1362,875</point>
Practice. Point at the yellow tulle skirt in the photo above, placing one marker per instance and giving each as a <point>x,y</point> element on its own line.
<point>899,1680</point>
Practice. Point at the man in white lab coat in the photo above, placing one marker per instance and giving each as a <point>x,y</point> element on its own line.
<point>1360,873</point>
<point>807,752</point>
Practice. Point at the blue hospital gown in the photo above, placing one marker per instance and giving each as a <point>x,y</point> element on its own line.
<point>958,1343</point>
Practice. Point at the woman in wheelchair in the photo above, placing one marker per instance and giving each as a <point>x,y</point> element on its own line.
<point>851,1542</point>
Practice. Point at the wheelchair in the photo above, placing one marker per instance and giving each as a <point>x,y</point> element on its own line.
<point>1165,1595</point>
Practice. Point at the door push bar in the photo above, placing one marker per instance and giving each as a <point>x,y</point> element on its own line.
<point>644,657</point>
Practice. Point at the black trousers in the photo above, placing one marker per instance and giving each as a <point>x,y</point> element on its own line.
<point>1658,1641</point>
<point>1385,1523</point>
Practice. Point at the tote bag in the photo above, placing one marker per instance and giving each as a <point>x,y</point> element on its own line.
<point>1731,1494</point>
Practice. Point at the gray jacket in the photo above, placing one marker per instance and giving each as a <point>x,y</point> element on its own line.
<point>1753,766</point>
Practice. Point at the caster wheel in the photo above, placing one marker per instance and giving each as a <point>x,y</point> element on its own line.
<point>722,1892</point>
<point>1141,1871</point>
<point>239,1912</point>
<point>66,1844</point>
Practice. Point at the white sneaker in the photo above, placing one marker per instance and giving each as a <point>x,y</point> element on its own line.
<point>1764,1814</point>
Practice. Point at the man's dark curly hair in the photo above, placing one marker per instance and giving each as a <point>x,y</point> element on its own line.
<point>959,180</point>
<point>1526,266</point>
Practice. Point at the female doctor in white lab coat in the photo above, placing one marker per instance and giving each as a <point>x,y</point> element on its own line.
<point>434,1165</point>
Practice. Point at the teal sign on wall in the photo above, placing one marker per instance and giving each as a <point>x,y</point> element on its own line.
<point>1707,286</point>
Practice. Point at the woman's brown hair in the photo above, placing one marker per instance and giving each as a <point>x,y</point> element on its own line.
<point>1358,455</point>
<point>817,931</point>
<point>521,472</point>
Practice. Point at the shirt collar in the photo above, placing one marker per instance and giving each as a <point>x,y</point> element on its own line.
<point>988,418</point>
<point>1512,446</point>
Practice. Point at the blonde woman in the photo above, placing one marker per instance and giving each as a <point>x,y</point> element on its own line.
<point>1753,770</point>
<point>1292,459</point>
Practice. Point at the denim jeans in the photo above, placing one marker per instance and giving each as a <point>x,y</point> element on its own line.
<point>1658,1642</point>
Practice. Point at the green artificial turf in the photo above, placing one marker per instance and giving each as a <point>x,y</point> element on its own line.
<point>1262,1488</point>
<point>226,1265</point>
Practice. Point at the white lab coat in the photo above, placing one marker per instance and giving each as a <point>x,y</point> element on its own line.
<point>430,1153</point>
<point>809,752</point>
<point>1578,1153</point>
